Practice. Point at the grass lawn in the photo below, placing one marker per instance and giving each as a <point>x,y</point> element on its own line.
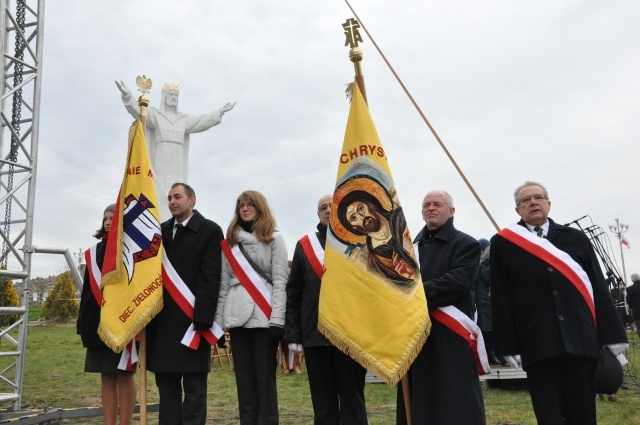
<point>54,377</point>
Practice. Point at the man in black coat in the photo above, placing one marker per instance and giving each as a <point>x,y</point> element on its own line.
<point>444,383</point>
<point>336,381</point>
<point>633,298</point>
<point>192,245</point>
<point>557,321</point>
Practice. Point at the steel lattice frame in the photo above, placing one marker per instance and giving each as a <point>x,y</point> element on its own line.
<point>21,40</point>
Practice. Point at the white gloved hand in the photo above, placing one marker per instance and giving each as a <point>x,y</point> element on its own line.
<point>617,348</point>
<point>512,361</point>
<point>295,348</point>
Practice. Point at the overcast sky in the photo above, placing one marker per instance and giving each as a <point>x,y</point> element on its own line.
<point>546,91</point>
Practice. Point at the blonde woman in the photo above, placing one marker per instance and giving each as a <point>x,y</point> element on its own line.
<point>251,304</point>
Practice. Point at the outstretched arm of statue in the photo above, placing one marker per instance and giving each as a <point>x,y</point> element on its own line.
<point>227,107</point>
<point>131,106</point>
<point>126,93</point>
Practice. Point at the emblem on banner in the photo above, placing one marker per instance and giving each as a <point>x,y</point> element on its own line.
<point>142,236</point>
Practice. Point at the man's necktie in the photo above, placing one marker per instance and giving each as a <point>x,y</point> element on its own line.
<point>539,231</point>
<point>178,228</point>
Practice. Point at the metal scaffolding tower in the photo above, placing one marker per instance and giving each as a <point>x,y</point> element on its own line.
<point>21,40</point>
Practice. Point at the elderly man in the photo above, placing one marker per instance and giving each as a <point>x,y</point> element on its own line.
<point>336,381</point>
<point>444,384</point>
<point>551,305</point>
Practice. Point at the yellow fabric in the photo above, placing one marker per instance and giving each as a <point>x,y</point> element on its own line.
<point>132,277</point>
<point>378,322</point>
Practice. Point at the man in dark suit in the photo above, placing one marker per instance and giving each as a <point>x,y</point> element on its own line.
<point>551,305</point>
<point>192,245</point>
<point>336,380</point>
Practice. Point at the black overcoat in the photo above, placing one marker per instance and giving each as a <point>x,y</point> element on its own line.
<point>445,388</point>
<point>89,313</point>
<point>633,298</point>
<point>538,313</point>
<point>195,255</point>
<point>303,296</point>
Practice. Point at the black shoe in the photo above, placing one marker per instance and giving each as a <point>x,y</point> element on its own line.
<point>493,360</point>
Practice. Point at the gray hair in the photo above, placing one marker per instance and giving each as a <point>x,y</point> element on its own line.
<point>635,277</point>
<point>526,184</point>
<point>446,194</point>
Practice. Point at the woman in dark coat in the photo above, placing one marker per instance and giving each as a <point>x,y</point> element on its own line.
<point>117,386</point>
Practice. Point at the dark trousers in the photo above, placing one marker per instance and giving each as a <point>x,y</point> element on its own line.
<point>561,390</point>
<point>175,411</point>
<point>254,361</point>
<point>336,382</point>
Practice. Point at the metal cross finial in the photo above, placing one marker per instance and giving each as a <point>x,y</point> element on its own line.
<point>351,32</point>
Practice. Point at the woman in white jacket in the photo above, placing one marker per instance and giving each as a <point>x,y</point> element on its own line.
<point>251,304</point>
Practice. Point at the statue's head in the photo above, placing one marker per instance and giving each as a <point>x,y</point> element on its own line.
<point>170,86</point>
<point>170,95</point>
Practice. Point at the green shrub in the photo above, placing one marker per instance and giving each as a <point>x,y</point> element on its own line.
<point>61,304</point>
<point>8,298</point>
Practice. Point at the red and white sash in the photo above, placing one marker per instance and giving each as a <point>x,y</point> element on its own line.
<point>464,326</point>
<point>94,273</point>
<point>560,260</point>
<point>248,277</point>
<point>286,356</point>
<point>314,252</point>
<point>129,356</point>
<point>182,295</point>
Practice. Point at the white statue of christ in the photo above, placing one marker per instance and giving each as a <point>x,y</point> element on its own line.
<point>167,136</point>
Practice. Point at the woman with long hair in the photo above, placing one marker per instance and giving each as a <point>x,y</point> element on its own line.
<point>117,386</point>
<point>252,302</point>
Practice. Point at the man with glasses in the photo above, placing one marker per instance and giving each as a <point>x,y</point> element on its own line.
<point>551,305</point>
<point>336,380</point>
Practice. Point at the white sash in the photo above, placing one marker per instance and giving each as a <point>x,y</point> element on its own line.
<point>129,355</point>
<point>315,253</point>
<point>95,274</point>
<point>248,277</point>
<point>560,260</point>
<point>182,295</point>
<point>461,324</point>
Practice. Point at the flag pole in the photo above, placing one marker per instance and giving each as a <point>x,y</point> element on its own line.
<point>355,55</point>
<point>426,121</point>
<point>144,85</point>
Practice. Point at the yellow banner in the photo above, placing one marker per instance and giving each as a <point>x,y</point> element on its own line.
<point>132,270</point>
<point>372,301</point>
